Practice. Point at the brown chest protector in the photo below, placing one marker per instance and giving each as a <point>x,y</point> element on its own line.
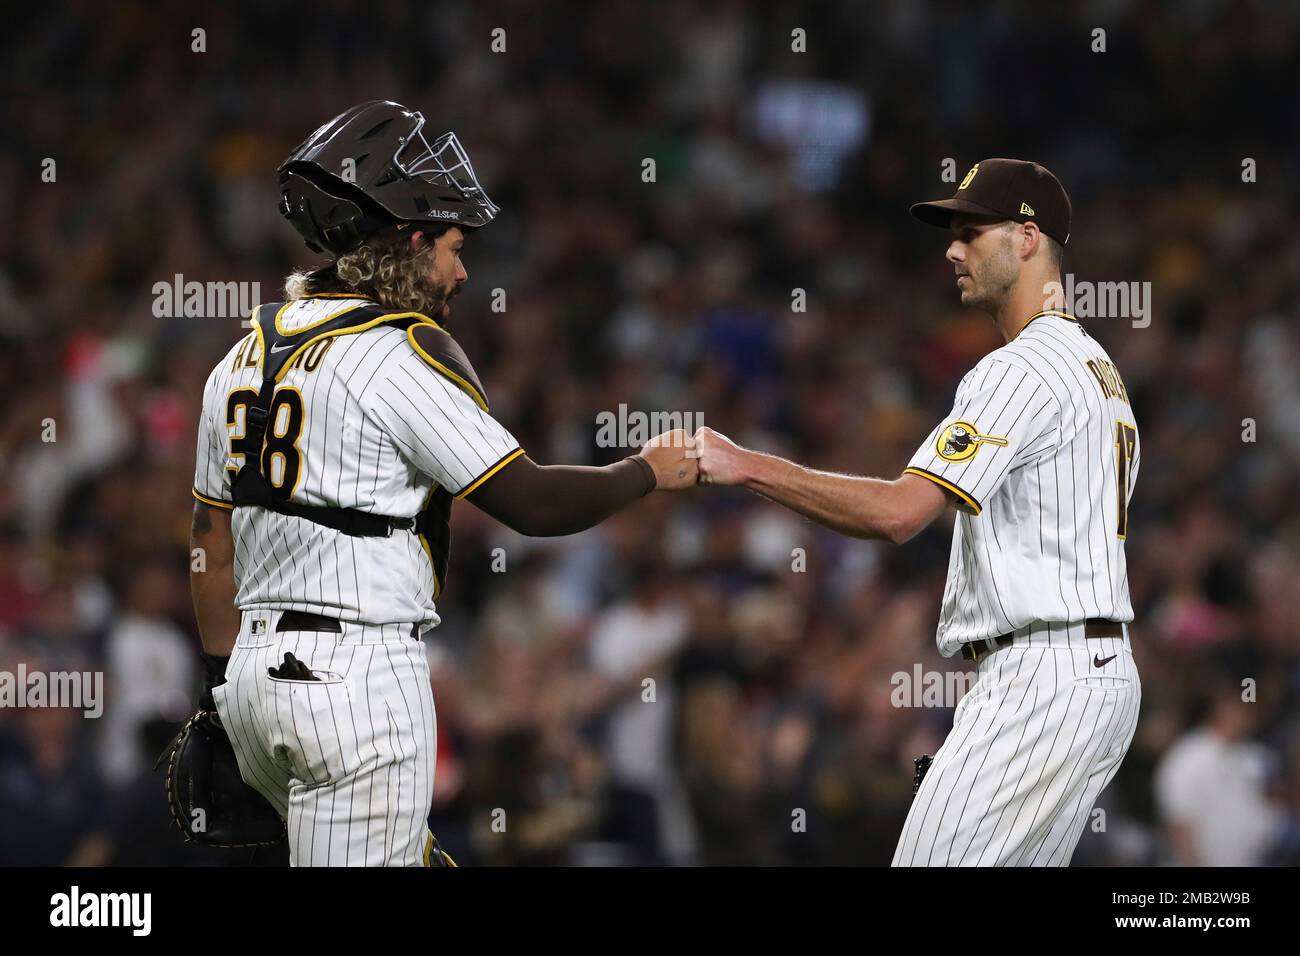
<point>279,350</point>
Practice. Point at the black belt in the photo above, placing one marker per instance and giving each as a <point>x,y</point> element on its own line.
<point>1094,627</point>
<point>305,621</point>
<point>302,621</point>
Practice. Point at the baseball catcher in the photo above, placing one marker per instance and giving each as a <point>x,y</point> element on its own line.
<point>335,438</point>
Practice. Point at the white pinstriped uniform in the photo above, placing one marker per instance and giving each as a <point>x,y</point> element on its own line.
<point>382,427</point>
<point>1041,447</point>
<point>348,760</point>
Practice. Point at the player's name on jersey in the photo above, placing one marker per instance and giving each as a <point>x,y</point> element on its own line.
<point>1107,376</point>
<point>248,355</point>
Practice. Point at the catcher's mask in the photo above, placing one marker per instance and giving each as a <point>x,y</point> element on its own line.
<point>372,167</point>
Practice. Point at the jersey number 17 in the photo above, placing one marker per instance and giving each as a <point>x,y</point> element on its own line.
<point>1125,447</point>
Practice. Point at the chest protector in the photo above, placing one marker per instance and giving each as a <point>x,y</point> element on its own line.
<point>279,350</point>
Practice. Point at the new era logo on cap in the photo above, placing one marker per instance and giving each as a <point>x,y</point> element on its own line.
<point>1006,189</point>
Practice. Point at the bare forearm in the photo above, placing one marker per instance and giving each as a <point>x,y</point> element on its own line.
<point>212,580</point>
<point>213,592</point>
<point>543,501</point>
<point>852,505</point>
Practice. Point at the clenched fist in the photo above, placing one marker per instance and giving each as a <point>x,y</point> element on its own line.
<point>721,460</point>
<point>672,456</point>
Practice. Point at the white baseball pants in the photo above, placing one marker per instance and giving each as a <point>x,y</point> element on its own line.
<point>1033,744</point>
<point>348,760</point>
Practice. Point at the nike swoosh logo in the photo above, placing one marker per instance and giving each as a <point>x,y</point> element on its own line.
<point>1099,661</point>
<point>281,348</point>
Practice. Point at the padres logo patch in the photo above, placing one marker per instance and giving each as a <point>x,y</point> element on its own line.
<point>969,176</point>
<point>961,440</point>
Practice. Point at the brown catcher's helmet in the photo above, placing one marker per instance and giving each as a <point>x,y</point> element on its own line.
<point>371,167</point>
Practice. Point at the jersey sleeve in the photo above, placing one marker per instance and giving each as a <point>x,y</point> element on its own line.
<point>211,480</point>
<point>1003,417</point>
<point>439,427</point>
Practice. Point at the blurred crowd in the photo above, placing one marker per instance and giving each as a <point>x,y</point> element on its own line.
<point>704,679</point>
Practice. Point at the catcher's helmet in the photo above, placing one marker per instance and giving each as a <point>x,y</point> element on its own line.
<point>371,167</point>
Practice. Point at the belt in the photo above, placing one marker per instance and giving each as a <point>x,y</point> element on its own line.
<point>1094,627</point>
<point>305,621</point>
<point>302,621</point>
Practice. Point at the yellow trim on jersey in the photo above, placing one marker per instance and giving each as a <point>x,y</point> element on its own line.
<point>261,339</point>
<point>945,483</point>
<point>1056,312</point>
<point>215,502</point>
<point>312,340</point>
<point>380,320</point>
<point>424,319</point>
<point>465,386</point>
<point>490,472</point>
<point>279,327</point>
<point>437,585</point>
<point>424,543</point>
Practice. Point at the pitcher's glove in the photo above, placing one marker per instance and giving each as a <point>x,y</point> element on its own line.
<point>208,799</point>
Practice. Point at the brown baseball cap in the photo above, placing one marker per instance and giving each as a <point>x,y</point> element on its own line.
<point>1006,189</point>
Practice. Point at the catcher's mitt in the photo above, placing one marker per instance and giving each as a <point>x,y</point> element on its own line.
<point>209,800</point>
<point>435,855</point>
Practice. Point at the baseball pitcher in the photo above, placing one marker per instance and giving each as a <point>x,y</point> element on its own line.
<point>334,439</point>
<point>1038,456</point>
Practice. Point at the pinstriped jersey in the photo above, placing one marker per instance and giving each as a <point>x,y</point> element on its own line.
<point>1041,450</point>
<point>359,421</point>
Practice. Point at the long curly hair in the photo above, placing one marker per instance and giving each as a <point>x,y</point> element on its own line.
<point>386,267</point>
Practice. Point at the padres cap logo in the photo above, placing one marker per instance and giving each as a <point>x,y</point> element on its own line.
<point>969,176</point>
<point>961,440</point>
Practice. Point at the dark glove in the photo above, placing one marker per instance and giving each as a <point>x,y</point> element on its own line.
<point>437,856</point>
<point>214,674</point>
<point>208,799</point>
<point>292,669</point>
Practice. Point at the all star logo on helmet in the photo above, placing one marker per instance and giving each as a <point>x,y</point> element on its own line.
<point>961,440</point>
<point>443,214</point>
